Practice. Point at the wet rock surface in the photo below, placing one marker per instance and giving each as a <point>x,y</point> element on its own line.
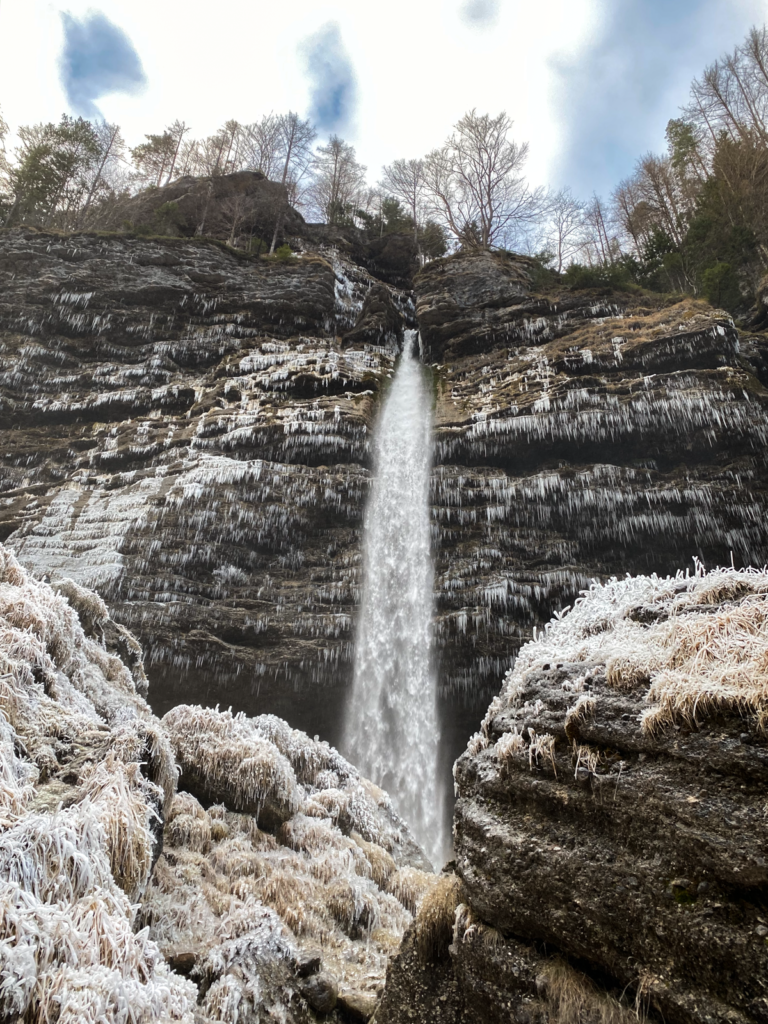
<point>610,819</point>
<point>577,437</point>
<point>187,435</point>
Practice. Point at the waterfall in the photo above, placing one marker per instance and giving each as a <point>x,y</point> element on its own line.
<point>391,729</point>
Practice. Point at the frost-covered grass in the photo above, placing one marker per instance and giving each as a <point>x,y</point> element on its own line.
<point>334,874</point>
<point>313,885</point>
<point>697,643</point>
<point>222,751</point>
<point>87,778</point>
<point>81,961</point>
<point>68,947</point>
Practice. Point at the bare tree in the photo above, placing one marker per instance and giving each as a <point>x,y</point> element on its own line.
<point>108,175</point>
<point>600,244</point>
<point>404,179</point>
<point>565,237</point>
<point>473,182</point>
<point>732,94</point>
<point>338,181</point>
<point>177,131</point>
<point>220,153</point>
<point>262,146</point>
<point>296,137</point>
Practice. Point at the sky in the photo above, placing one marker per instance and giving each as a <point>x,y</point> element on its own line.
<point>590,84</point>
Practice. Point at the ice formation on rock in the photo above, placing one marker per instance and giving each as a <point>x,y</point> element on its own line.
<point>295,853</point>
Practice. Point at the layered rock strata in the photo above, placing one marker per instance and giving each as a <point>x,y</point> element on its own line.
<point>124,897</point>
<point>186,433</point>
<point>578,437</point>
<point>609,827</point>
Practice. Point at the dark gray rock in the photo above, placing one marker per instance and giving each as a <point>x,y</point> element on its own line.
<point>231,207</point>
<point>461,300</point>
<point>380,321</point>
<point>320,991</point>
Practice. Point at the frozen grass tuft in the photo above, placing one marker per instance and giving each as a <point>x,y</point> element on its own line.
<point>126,804</point>
<point>225,756</point>
<point>435,917</point>
<point>82,962</point>
<point>697,642</point>
<point>572,998</point>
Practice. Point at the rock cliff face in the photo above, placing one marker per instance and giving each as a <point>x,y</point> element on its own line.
<point>188,431</point>
<point>610,822</point>
<point>187,434</point>
<point>578,437</point>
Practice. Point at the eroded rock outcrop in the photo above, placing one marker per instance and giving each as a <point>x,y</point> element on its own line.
<point>240,206</point>
<point>610,823</point>
<point>124,898</point>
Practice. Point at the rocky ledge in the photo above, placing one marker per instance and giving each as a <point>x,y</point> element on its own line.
<point>578,436</point>
<point>610,823</point>
<point>187,431</point>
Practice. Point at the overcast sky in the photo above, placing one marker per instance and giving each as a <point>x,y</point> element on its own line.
<point>590,84</point>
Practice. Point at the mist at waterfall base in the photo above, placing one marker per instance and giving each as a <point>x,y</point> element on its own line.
<point>391,728</point>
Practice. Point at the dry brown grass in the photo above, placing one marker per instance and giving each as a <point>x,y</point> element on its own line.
<point>124,803</point>
<point>581,712</point>
<point>623,672</point>
<point>435,917</point>
<point>703,650</point>
<point>409,886</point>
<point>229,752</point>
<point>508,745</point>
<point>572,998</point>
<point>716,662</point>
<point>587,757</point>
<point>354,906</point>
<point>381,862</point>
<point>190,831</point>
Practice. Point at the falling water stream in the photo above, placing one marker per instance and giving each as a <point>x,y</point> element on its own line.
<point>391,731</point>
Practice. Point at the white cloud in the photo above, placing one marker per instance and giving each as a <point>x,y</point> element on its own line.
<point>419,65</point>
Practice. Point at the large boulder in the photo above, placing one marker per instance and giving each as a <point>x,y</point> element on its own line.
<point>610,824</point>
<point>236,207</point>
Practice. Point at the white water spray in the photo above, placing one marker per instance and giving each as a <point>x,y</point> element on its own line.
<point>391,728</point>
